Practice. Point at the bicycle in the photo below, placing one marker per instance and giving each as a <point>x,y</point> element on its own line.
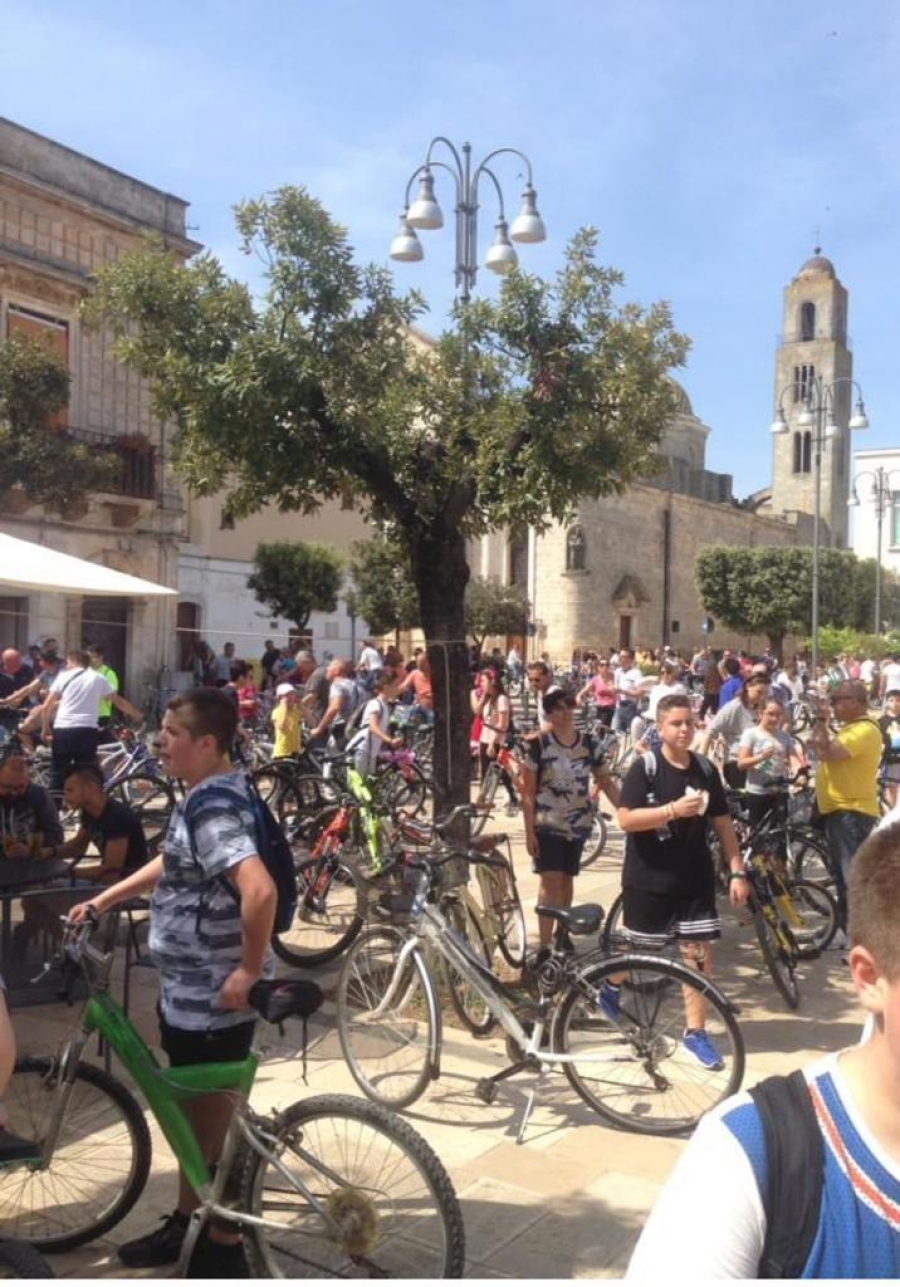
<point>331,1186</point>
<point>626,1061</point>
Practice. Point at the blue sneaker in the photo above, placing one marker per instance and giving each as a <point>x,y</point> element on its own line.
<point>697,1042</point>
<point>609,1002</point>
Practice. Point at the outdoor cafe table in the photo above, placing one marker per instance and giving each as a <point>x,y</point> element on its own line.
<point>21,879</point>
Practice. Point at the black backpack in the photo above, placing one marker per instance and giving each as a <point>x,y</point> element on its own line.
<point>795,1174</point>
<point>271,846</point>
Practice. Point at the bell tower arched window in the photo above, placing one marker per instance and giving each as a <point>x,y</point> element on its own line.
<point>807,321</point>
<point>802,452</point>
<point>575,550</point>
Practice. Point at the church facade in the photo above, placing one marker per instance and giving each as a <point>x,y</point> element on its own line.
<point>622,572</point>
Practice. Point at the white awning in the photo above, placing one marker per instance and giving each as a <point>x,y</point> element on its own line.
<point>27,566</point>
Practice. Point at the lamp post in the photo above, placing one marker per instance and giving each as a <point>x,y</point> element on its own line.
<point>819,400</point>
<point>425,213</point>
<point>882,496</point>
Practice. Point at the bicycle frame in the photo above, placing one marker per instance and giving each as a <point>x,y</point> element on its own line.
<point>166,1090</point>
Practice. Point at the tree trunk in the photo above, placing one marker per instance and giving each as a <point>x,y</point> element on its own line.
<point>776,642</point>
<point>441,573</point>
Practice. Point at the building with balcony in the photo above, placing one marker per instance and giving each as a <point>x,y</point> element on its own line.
<point>63,216</point>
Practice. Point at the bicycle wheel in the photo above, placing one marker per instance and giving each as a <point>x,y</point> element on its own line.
<point>612,936</point>
<point>487,790</point>
<point>504,906</point>
<point>152,799</point>
<point>596,841</point>
<point>779,951</point>
<point>467,1001</point>
<point>816,914</point>
<point>99,1165</point>
<point>388,1047</point>
<point>633,1068</point>
<point>20,1260</point>
<point>403,788</point>
<point>808,857</point>
<point>384,1205</point>
<point>331,907</point>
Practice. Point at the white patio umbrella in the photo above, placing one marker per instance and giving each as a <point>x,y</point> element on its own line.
<point>25,565</point>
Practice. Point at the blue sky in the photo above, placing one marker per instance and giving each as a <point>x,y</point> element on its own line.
<point>706,140</point>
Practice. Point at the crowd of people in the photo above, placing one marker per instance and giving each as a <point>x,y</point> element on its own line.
<point>672,707</point>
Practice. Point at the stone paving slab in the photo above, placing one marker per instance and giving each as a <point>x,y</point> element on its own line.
<point>571,1200</point>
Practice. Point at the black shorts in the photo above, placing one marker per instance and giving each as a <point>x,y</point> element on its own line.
<point>557,853</point>
<point>219,1046</point>
<point>651,920</point>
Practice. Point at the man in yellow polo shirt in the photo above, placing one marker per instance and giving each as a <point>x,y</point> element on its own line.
<point>847,780</point>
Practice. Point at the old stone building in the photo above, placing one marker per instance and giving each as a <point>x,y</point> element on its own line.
<point>623,571</point>
<point>62,217</point>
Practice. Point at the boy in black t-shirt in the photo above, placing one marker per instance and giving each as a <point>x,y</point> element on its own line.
<point>113,829</point>
<point>668,882</point>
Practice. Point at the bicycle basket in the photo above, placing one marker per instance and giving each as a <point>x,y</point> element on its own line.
<point>800,805</point>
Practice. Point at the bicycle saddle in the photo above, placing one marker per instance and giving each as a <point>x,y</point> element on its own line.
<point>280,999</point>
<point>585,919</point>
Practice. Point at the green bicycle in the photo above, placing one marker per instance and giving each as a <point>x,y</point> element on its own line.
<point>330,1187</point>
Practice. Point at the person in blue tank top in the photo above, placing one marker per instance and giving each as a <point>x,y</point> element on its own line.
<point>710,1219</point>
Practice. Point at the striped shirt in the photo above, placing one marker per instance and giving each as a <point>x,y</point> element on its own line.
<point>195,922</point>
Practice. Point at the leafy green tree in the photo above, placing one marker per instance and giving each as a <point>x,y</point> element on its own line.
<point>525,404</point>
<point>385,594</point>
<point>768,589</point>
<point>494,609</point>
<point>296,578</point>
<point>51,468</point>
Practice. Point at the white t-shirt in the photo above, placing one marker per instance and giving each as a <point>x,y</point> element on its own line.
<point>867,670</point>
<point>364,744</point>
<point>890,676</point>
<point>626,679</point>
<point>370,658</point>
<point>82,692</point>
<point>794,686</point>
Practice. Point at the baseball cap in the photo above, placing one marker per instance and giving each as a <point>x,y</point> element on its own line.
<point>284,690</point>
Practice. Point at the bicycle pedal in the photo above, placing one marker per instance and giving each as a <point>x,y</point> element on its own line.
<point>486,1090</point>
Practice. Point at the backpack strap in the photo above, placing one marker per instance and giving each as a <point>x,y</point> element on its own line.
<point>191,808</point>
<point>649,762</point>
<point>795,1173</point>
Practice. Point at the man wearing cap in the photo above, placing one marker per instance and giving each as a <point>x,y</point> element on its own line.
<point>733,719</point>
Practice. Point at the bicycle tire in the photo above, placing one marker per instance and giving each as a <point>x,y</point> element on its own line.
<point>331,909</point>
<point>91,1146</point>
<point>818,909</point>
<point>152,798</point>
<point>487,790</point>
<point>470,1006</point>
<point>21,1260</point>
<point>389,1055</point>
<point>809,858</point>
<point>596,841</point>
<point>405,789</point>
<point>645,1079</point>
<point>612,936</point>
<point>776,956</point>
<point>382,1185</point>
<point>507,913</point>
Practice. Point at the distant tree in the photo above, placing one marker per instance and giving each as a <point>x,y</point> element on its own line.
<point>51,468</point>
<point>296,578</point>
<point>494,609</point>
<point>768,589</point>
<point>385,594</point>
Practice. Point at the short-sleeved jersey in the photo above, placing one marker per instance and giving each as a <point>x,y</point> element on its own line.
<point>118,822</point>
<point>195,921</point>
<point>678,862</point>
<point>852,784</point>
<point>710,1223</point>
<point>563,795</point>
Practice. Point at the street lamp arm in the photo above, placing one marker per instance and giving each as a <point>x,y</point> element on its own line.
<point>451,147</point>
<point>500,151</point>
<point>432,165</point>
<point>483,169</point>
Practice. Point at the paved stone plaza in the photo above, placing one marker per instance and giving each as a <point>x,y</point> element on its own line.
<point>570,1201</point>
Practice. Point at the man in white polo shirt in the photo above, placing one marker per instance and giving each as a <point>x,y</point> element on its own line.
<point>71,714</point>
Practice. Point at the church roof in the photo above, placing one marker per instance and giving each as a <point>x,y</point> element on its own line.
<point>817,266</point>
<point>683,402</point>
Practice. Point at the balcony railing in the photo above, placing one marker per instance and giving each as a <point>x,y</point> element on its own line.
<point>134,466</point>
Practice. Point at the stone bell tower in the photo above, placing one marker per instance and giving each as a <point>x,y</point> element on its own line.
<point>814,343</point>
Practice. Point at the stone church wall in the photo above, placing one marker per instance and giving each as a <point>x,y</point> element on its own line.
<point>627,551</point>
